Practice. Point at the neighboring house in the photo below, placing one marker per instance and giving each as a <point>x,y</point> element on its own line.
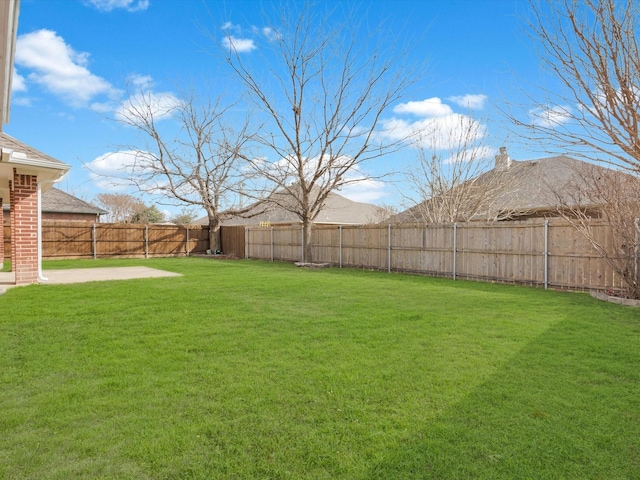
<point>59,205</point>
<point>526,189</point>
<point>337,210</point>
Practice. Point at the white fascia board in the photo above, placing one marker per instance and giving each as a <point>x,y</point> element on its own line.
<point>20,159</point>
<point>11,10</point>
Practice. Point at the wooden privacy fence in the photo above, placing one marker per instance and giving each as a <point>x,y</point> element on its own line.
<point>103,240</point>
<point>549,253</point>
<point>232,240</point>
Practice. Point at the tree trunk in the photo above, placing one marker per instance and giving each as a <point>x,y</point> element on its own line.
<point>306,244</point>
<point>215,243</point>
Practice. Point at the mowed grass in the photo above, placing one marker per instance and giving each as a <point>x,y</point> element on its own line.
<point>245,369</point>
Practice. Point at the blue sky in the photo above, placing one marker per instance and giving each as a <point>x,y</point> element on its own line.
<point>75,60</point>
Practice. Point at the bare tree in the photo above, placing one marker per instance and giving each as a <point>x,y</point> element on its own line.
<point>454,179</point>
<point>195,161</point>
<point>323,95</point>
<point>604,205</point>
<point>185,217</point>
<point>148,215</point>
<point>120,207</point>
<point>590,46</point>
<point>382,213</point>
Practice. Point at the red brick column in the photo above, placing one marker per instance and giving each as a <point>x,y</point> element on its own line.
<point>1,235</point>
<point>24,228</point>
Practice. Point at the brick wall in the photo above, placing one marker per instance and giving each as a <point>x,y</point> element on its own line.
<point>24,228</point>
<point>1,238</point>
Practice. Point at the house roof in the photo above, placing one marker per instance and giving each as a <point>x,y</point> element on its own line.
<point>57,201</point>
<point>526,188</point>
<point>337,210</point>
<point>26,160</point>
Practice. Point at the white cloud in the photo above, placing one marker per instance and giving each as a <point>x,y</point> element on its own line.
<point>271,34</point>
<point>240,45</point>
<point>110,172</point>
<point>440,133</point>
<point>431,107</point>
<point>140,82</point>
<point>119,171</point>
<point>18,83</point>
<point>366,190</point>
<point>112,163</point>
<point>550,117</point>
<point>23,102</point>
<point>109,5</point>
<point>147,104</point>
<point>474,102</point>
<point>103,107</point>
<point>59,69</point>
<point>473,154</point>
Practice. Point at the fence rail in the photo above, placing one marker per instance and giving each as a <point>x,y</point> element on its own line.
<point>108,240</point>
<point>536,252</point>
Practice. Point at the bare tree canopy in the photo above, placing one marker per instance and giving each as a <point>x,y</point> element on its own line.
<point>613,197</point>
<point>448,182</point>
<point>191,154</point>
<point>322,93</point>
<point>590,46</point>
<point>120,207</point>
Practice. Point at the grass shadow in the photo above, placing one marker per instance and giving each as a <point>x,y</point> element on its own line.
<point>566,406</point>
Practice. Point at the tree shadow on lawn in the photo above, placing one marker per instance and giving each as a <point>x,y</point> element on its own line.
<point>566,406</point>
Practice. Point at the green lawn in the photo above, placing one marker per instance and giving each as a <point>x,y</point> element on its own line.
<point>245,369</point>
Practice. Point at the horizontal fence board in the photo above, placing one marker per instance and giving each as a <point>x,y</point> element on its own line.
<point>511,252</point>
<point>85,240</point>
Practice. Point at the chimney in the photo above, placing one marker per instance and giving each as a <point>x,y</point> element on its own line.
<point>503,161</point>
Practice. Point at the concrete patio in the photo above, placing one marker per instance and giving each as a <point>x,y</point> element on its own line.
<point>81,275</point>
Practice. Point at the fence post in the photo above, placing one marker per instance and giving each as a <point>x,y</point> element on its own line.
<point>455,248</point>
<point>187,246</point>
<point>389,249</point>
<point>302,259</point>
<point>246,242</point>
<point>340,244</point>
<point>272,244</point>
<point>95,242</point>
<point>146,241</point>
<point>546,254</point>
<point>636,224</point>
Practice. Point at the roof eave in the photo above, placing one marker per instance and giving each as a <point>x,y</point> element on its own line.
<point>11,9</point>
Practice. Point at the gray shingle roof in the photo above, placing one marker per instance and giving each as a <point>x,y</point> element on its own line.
<point>337,210</point>
<point>528,188</point>
<point>7,141</point>
<point>54,200</point>
<point>57,201</point>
